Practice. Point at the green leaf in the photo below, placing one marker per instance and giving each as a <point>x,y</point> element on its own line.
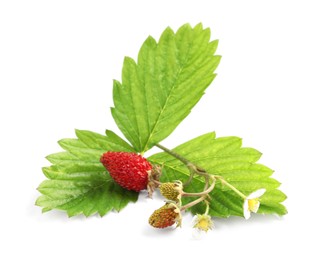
<point>159,90</point>
<point>78,182</point>
<point>226,157</point>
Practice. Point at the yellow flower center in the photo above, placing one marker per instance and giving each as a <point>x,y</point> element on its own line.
<point>203,223</point>
<point>253,205</point>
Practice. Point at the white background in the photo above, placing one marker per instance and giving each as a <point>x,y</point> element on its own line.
<point>57,62</point>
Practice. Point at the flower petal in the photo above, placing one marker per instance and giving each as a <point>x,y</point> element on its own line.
<point>194,220</point>
<point>198,234</point>
<point>246,211</point>
<point>256,194</point>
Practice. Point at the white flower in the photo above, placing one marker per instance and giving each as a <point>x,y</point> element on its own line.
<point>202,222</point>
<point>252,203</point>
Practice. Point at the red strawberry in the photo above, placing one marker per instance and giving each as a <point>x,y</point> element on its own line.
<point>129,170</point>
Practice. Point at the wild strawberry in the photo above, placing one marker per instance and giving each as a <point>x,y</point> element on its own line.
<point>171,191</point>
<point>165,216</point>
<point>129,170</point>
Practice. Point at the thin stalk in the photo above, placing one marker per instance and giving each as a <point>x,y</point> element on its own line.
<point>224,182</point>
<point>207,208</point>
<point>191,166</point>
<point>191,204</point>
<point>203,197</point>
<point>195,169</point>
<point>157,182</point>
<point>205,192</point>
<point>174,154</point>
<point>189,179</point>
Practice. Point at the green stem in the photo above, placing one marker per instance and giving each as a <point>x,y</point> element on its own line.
<point>196,169</point>
<point>191,204</point>
<point>207,208</point>
<point>224,182</point>
<point>191,166</point>
<point>189,179</point>
<point>205,192</point>
<point>202,194</point>
<point>174,154</point>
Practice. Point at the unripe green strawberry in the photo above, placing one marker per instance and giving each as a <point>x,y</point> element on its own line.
<point>171,191</point>
<point>166,216</point>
